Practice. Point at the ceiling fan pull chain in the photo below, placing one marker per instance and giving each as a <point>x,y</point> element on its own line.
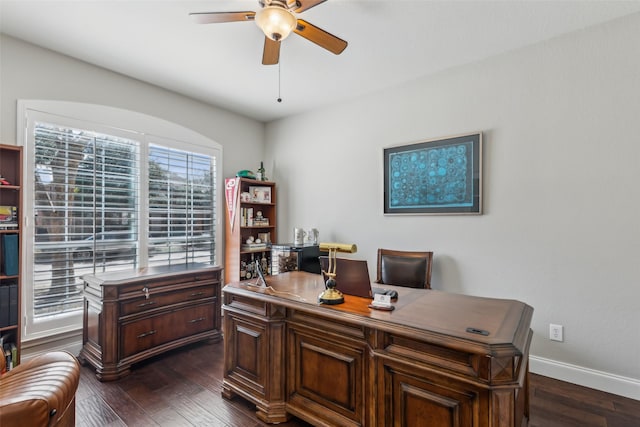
<point>279,83</point>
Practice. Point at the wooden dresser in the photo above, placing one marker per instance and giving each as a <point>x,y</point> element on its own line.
<point>439,359</point>
<point>131,316</point>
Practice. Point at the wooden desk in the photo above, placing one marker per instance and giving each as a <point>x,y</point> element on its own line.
<point>348,365</point>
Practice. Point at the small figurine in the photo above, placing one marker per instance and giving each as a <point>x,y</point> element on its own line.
<point>4,181</point>
<point>243,270</point>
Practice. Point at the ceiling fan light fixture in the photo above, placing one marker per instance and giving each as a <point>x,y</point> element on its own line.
<point>276,22</point>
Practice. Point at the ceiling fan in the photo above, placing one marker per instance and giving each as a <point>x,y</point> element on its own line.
<point>277,19</point>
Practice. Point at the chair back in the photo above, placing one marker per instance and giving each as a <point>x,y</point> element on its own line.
<point>404,268</point>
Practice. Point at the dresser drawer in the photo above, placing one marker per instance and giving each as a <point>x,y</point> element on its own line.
<point>153,331</point>
<point>163,284</point>
<point>159,300</point>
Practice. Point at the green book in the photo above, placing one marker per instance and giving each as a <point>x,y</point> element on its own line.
<point>10,254</point>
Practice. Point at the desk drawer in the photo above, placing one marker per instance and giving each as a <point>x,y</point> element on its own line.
<point>142,304</point>
<point>146,333</point>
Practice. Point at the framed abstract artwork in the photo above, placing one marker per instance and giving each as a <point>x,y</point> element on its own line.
<point>442,176</point>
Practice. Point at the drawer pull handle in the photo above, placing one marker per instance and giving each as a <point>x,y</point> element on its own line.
<point>144,304</point>
<point>199,319</point>
<point>197,294</point>
<point>146,292</point>
<point>146,334</point>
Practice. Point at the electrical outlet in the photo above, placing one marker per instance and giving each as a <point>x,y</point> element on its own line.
<point>556,332</point>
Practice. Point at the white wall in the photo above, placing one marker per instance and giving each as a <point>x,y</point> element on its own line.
<point>561,172</point>
<point>30,72</point>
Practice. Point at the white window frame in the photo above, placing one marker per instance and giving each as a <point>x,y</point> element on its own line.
<point>109,120</point>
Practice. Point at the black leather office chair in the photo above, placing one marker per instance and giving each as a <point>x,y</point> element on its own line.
<point>404,268</point>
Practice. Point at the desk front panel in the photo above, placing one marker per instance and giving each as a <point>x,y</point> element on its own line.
<point>254,363</point>
<point>327,363</point>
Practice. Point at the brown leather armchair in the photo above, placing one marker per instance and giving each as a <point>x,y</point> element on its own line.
<point>40,391</point>
<point>404,268</point>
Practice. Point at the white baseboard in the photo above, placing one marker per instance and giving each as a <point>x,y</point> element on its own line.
<point>70,341</point>
<point>603,381</point>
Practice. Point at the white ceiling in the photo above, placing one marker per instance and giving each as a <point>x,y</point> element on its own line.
<point>390,42</point>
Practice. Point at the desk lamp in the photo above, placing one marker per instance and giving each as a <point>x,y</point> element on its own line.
<point>331,295</point>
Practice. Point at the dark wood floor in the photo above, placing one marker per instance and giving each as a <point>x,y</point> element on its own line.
<point>182,388</point>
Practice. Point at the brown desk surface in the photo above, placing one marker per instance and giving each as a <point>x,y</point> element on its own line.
<point>422,311</point>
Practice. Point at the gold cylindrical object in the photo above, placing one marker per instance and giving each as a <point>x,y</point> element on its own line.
<point>339,247</point>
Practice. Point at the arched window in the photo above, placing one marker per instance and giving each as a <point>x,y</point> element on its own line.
<point>108,190</point>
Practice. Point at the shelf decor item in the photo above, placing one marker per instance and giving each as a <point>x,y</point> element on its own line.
<point>246,173</point>
<point>8,217</point>
<point>231,188</point>
<point>261,175</point>
<point>442,176</point>
<point>260,194</point>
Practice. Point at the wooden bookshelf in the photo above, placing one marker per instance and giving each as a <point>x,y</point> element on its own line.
<point>238,228</point>
<point>11,240</point>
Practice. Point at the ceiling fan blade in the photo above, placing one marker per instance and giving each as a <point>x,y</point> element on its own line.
<point>271,53</point>
<point>320,37</point>
<point>307,4</point>
<point>219,17</point>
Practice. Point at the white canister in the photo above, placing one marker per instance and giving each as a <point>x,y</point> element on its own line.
<point>312,236</point>
<point>298,236</point>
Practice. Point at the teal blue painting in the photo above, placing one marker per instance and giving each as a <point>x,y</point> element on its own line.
<point>441,176</point>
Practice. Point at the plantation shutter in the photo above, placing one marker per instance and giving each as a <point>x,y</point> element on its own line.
<point>85,209</point>
<point>181,206</point>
